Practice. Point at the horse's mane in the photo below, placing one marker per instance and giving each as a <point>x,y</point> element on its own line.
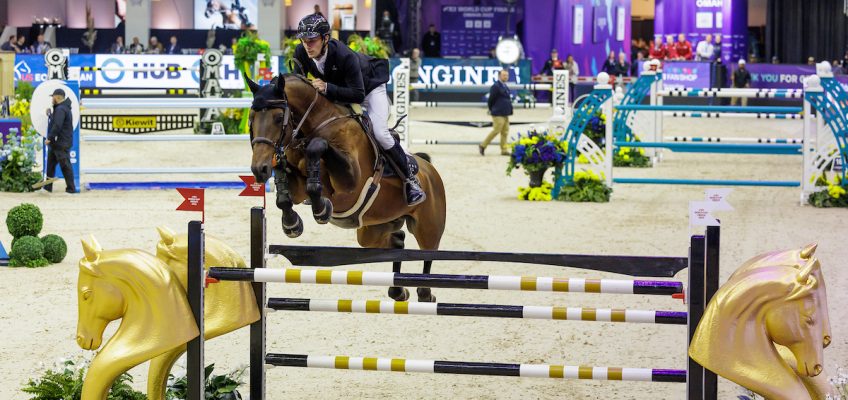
<point>760,291</point>
<point>291,76</point>
<point>136,268</point>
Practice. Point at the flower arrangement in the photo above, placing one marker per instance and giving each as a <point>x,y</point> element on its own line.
<point>588,187</point>
<point>247,50</point>
<point>834,196</point>
<point>368,45</point>
<point>541,193</point>
<point>631,157</point>
<point>536,151</point>
<point>596,128</point>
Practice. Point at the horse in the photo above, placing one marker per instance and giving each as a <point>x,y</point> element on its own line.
<point>318,151</point>
<point>769,301</point>
<point>144,293</point>
<point>227,305</point>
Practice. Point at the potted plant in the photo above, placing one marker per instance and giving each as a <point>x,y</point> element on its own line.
<point>536,152</point>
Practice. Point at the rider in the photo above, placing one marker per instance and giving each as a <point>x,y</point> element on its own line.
<point>343,75</point>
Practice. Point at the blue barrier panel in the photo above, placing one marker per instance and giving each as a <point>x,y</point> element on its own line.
<point>705,182</point>
<point>727,109</point>
<point>724,148</point>
<point>162,185</point>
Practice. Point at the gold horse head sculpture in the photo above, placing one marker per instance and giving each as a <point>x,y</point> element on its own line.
<point>227,305</point>
<point>139,289</point>
<point>775,302</point>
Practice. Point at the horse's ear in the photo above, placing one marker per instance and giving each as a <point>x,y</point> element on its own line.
<point>807,270</point>
<point>809,250</point>
<point>91,249</point>
<point>280,86</point>
<point>166,234</point>
<point>253,86</point>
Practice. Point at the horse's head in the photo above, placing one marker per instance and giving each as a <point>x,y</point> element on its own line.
<point>99,300</point>
<point>269,123</point>
<point>796,322</point>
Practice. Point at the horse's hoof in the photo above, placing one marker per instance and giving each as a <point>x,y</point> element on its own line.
<point>324,217</point>
<point>295,230</point>
<point>398,293</point>
<point>425,296</point>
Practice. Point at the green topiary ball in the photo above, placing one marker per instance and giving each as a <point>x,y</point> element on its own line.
<point>27,252</point>
<point>55,248</point>
<point>24,220</point>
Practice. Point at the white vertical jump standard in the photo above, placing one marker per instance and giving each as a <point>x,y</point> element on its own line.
<point>402,105</point>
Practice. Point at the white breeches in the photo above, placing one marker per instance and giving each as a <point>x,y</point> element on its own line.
<point>377,105</point>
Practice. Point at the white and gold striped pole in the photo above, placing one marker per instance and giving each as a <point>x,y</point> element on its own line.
<point>490,282</point>
<point>477,368</point>
<point>479,310</point>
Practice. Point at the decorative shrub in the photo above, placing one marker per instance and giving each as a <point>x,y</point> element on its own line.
<point>631,157</point>
<point>588,187</point>
<point>371,46</point>
<point>28,251</point>
<point>218,387</point>
<point>64,382</point>
<point>55,248</point>
<point>24,220</point>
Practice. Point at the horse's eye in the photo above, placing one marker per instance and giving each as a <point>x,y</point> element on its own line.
<point>86,294</point>
<point>279,118</point>
<point>810,320</point>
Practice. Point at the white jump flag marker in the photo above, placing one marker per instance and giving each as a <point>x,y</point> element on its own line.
<point>719,198</point>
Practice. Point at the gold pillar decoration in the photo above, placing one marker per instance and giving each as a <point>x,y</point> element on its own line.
<point>138,288</point>
<point>227,305</point>
<point>767,326</point>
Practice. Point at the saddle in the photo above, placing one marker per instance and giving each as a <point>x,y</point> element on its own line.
<point>365,122</point>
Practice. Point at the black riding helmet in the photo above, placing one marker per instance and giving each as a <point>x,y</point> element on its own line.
<point>312,26</point>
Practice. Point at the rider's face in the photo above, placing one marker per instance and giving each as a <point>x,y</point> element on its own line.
<point>313,46</point>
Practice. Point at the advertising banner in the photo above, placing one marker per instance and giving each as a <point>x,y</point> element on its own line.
<point>31,68</point>
<point>778,76</point>
<point>225,14</point>
<point>448,71</point>
<point>474,30</point>
<point>686,75</point>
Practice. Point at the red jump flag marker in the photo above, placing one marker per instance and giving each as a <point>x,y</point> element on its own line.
<point>252,188</point>
<point>192,201</point>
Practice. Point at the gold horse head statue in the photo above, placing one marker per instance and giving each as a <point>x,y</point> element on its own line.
<point>139,289</point>
<point>775,300</point>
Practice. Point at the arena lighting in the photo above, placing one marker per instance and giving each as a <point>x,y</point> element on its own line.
<point>368,4</point>
<point>288,3</point>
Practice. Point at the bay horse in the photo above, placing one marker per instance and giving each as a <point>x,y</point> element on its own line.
<point>319,152</point>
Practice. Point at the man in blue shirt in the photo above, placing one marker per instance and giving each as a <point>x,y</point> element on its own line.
<point>500,106</point>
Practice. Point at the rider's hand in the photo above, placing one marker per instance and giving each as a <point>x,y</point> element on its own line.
<point>320,85</point>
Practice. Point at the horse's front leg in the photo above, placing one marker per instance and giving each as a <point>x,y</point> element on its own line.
<point>322,208</point>
<point>292,224</point>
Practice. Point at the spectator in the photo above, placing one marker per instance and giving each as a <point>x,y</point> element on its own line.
<point>573,73</point>
<point>414,63</point>
<point>500,106</point>
<point>610,66</point>
<point>683,48</point>
<point>136,47</point>
<point>670,48</point>
<point>553,63</point>
<point>318,11</point>
<point>717,48</point>
<point>658,50</point>
<point>431,43</point>
<point>60,139</point>
<point>836,67</point>
<point>118,47</point>
<point>40,46</point>
<point>622,66</point>
<point>10,45</point>
<point>174,48</point>
<point>775,60</point>
<point>634,68</point>
<point>22,48</point>
<point>154,47</point>
<point>741,79</point>
<point>387,32</point>
<point>704,51</point>
<point>811,61</point>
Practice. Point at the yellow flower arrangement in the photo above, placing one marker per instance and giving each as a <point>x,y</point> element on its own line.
<point>834,194</point>
<point>542,193</point>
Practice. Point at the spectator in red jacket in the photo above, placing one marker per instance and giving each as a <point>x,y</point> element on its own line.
<point>658,50</point>
<point>683,48</point>
<point>670,48</point>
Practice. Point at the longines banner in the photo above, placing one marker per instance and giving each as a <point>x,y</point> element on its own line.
<point>449,71</point>
<point>31,68</point>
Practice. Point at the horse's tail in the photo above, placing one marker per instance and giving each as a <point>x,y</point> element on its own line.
<point>424,156</point>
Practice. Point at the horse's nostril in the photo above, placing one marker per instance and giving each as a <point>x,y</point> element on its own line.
<point>817,369</point>
<point>827,341</point>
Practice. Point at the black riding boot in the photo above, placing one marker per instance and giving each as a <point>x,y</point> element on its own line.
<point>412,189</point>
